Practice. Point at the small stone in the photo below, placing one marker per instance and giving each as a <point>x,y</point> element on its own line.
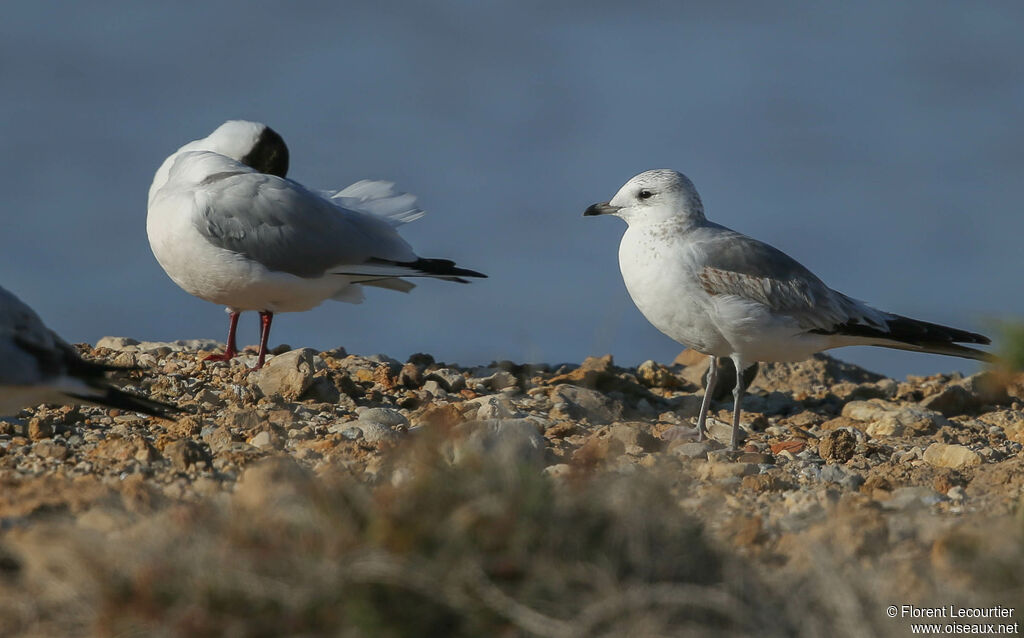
<point>632,434</point>
<point>757,458</point>
<point>597,449</point>
<point>593,372</point>
<point>434,388</point>
<point>125,448</point>
<point>493,407</point>
<point>206,395</point>
<point>261,440</point>
<point>951,456</point>
<point>186,453</point>
<point>49,449</point>
<point>385,416</point>
<point>888,419</point>
<point>420,359</point>
<point>116,343</point>
<point>844,477</point>
<point>501,380</point>
<point>837,446</point>
<point>722,431</point>
<point>726,470</point>
<point>560,430</point>
<point>793,446</point>
<point>655,375</point>
<point>289,374</point>
<point>507,441</point>
<point>762,483</point>
<point>680,433</point>
<point>449,380</point>
<point>245,418</point>
<point>947,480</point>
<point>953,400</point>
<point>725,455</point>
<point>410,376</point>
<point>219,438</point>
<point>696,449</point>
<point>374,432</point>
<point>352,433</point>
<point>558,470</point>
<point>582,403</point>
<point>39,429</point>
<point>322,390</point>
<point>911,497</point>
<point>441,415</point>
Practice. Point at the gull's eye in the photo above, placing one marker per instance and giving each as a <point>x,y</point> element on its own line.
<point>645,194</point>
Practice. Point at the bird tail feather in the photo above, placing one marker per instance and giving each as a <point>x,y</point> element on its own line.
<point>378,198</point>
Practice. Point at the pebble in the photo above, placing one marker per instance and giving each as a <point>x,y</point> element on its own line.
<point>842,476</point>
<point>696,449</point>
<point>572,402</point>
<point>447,379</point>
<point>261,440</point>
<point>289,374</point>
<point>505,441</point>
<point>722,431</point>
<point>715,470</point>
<point>951,456</point>
<point>374,432</point>
<point>352,433</point>
<point>389,417</point>
<point>837,446</point>
<point>911,497</point>
<point>884,418</point>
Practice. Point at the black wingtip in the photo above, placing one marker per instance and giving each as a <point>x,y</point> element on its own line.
<point>443,268</point>
<point>922,336</point>
<point>115,398</point>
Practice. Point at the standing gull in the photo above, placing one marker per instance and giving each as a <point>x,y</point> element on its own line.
<point>228,227</point>
<point>724,294</point>
<point>37,366</point>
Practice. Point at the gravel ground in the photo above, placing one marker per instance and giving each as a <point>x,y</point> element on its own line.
<point>876,490</point>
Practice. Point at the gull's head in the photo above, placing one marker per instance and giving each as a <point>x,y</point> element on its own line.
<point>251,143</point>
<point>653,196</point>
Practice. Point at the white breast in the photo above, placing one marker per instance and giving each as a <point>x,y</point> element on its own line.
<point>659,273</point>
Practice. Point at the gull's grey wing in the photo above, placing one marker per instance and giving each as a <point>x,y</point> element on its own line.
<point>734,264</point>
<point>287,228</point>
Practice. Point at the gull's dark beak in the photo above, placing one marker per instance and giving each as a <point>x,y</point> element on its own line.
<point>603,208</point>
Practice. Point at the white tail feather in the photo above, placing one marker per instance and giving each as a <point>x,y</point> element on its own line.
<point>380,199</point>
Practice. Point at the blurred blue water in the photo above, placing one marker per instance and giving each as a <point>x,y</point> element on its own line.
<point>878,143</point>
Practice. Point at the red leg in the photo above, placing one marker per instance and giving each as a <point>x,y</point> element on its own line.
<point>265,318</point>
<point>231,350</point>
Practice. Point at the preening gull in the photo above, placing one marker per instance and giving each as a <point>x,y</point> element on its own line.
<point>724,294</point>
<point>228,227</point>
<point>37,366</point>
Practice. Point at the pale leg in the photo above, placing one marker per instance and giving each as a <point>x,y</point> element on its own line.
<point>737,394</point>
<point>708,392</point>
